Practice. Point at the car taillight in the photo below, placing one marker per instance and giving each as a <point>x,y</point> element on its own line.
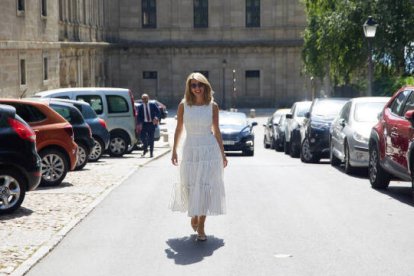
<point>102,122</point>
<point>133,104</point>
<point>24,131</point>
<point>69,130</point>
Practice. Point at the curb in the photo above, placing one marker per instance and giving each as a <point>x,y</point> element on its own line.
<point>48,246</point>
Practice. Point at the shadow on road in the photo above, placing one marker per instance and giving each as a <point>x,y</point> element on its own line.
<point>187,250</point>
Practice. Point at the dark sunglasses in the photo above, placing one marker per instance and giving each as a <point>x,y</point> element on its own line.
<point>195,85</point>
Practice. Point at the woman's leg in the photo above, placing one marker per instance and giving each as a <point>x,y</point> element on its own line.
<point>200,229</point>
<point>194,223</point>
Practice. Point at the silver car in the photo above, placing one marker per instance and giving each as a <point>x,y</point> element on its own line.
<point>349,132</point>
<point>294,119</point>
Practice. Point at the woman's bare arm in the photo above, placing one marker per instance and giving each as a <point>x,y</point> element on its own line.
<point>177,134</point>
<point>217,133</point>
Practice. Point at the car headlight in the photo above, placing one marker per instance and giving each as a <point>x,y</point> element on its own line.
<point>360,138</point>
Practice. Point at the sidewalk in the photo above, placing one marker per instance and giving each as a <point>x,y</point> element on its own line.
<point>49,213</point>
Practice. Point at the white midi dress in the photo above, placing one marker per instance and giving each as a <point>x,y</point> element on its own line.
<point>201,187</point>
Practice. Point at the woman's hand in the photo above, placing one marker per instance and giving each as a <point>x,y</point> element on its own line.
<point>174,158</point>
<point>224,161</point>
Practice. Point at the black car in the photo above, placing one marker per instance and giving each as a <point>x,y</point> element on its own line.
<point>100,133</point>
<point>20,165</point>
<point>315,139</point>
<point>237,132</point>
<point>81,130</point>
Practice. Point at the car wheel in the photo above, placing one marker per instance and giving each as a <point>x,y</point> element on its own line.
<point>96,151</point>
<point>294,151</point>
<point>118,145</point>
<point>278,145</point>
<point>286,146</point>
<point>82,157</point>
<point>335,161</point>
<point>378,177</point>
<point>348,167</point>
<point>266,145</point>
<point>12,190</point>
<point>54,167</point>
<point>306,155</point>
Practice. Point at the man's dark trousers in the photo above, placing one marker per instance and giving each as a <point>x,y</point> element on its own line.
<point>147,136</point>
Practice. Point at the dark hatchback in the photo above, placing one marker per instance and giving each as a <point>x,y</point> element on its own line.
<point>100,133</point>
<point>237,132</point>
<point>316,128</point>
<point>20,165</point>
<point>81,130</point>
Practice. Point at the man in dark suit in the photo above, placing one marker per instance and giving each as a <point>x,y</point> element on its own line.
<point>148,116</point>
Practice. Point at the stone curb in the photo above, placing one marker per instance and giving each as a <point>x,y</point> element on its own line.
<point>48,246</point>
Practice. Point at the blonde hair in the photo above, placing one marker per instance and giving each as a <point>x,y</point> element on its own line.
<point>208,92</point>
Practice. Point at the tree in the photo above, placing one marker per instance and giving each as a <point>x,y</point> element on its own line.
<point>335,46</point>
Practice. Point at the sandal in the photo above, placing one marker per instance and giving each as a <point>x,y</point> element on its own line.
<point>201,238</point>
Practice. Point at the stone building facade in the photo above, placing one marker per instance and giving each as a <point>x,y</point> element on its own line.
<point>249,49</point>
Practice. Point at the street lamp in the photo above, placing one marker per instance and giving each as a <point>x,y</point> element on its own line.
<point>224,63</point>
<point>370,28</point>
<point>233,95</point>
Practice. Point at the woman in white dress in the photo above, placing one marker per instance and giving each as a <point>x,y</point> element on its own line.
<point>201,188</point>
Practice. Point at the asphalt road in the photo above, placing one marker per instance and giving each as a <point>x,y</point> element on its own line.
<point>283,218</point>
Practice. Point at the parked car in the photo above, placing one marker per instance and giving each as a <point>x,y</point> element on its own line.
<point>114,105</point>
<point>315,132</point>
<point>20,165</point>
<point>391,153</point>
<point>294,120</point>
<point>349,133</point>
<point>54,138</point>
<point>81,130</point>
<point>237,132</point>
<point>279,133</point>
<point>100,133</point>
<point>269,131</point>
<point>162,107</point>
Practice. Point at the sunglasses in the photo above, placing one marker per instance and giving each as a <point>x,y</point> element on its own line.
<point>195,85</point>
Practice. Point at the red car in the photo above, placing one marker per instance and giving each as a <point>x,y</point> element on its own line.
<point>54,138</point>
<point>391,151</point>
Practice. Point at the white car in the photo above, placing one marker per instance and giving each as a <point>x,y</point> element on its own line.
<point>294,119</point>
<point>114,105</point>
<point>349,132</point>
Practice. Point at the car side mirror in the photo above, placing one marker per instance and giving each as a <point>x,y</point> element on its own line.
<point>307,115</point>
<point>276,124</point>
<point>409,115</point>
<point>289,116</point>
<point>254,124</point>
<point>342,122</point>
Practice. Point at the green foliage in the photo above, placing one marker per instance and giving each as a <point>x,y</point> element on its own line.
<point>335,46</point>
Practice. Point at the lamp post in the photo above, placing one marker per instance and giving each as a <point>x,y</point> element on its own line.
<point>224,63</point>
<point>233,94</point>
<point>370,28</point>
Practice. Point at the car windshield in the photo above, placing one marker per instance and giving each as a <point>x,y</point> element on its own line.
<point>301,109</point>
<point>367,112</point>
<point>235,119</point>
<point>327,108</point>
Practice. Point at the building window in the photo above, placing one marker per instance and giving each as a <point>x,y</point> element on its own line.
<point>43,8</point>
<point>22,72</point>
<point>149,75</point>
<point>21,7</point>
<point>200,13</point>
<point>253,83</point>
<point>45,69</point>
<point>252,13</point>
<point>149,14</point>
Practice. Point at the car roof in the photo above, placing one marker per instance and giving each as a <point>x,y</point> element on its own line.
<point>80,89</point>
<point>370,99</point>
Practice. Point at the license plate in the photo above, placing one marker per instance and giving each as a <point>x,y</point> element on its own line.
<point>228,142</point>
